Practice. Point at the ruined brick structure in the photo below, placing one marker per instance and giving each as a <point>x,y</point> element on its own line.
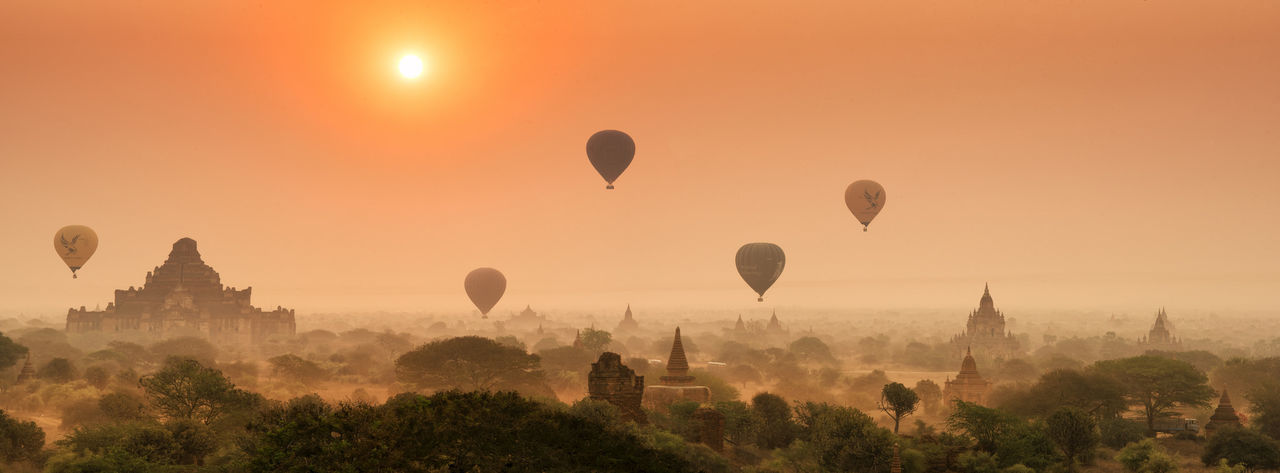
<point>710,427</point>
<point>611,381</point>
<point>184,295</point>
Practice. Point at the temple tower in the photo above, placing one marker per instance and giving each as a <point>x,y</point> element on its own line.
<point>1224,416</point>
<point>628,323</point>
<point>677,385</point>
<point>968,385</point>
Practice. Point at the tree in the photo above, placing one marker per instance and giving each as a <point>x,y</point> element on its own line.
<point>898,401</point>
<point>294,368</point>
<point>1094,392</point>
<point>739,425</point>
<point>744,374</point>
<point>57,370</point>
<point>844,438</point>
<point>1074,432</point>
<point>930,394</point>
<point>1158,385</point>
<point>97,376</point>
<point>194,348</point>
<point>446,432</point>
<point>19,440</point>
<point>595,341</point>
<point>469,363</point>
<point>773,416</point>
<point>10,352</point>
<point>1246,447</point>
<point>1266,408</point>
<point>984,424</point>
<point>811,349</point>
<point>185,389</point>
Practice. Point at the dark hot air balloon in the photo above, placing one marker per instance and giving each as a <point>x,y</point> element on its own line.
<point>610,151</point>
<point>864,198</point>
<point>485,287</point>
<point>75,244</point>
<point>760,264</point>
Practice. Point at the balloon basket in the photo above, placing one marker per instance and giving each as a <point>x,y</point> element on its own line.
<point>73,276</point>
<point>610,186</point>
<point>759,299</point>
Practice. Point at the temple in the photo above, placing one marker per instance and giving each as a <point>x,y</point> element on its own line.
<point>628,323</point>
<point>615,383</point>
<point>527,319</point>
<point>775,326</point>
<point>677,385</point>
<point>986,331</point>
<point>968,385</point>
<point>1160,337</point>
<point>1224,416</point>
<point>183,296</point>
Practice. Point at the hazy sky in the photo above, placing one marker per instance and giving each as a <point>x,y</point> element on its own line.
<point>1076,154</point>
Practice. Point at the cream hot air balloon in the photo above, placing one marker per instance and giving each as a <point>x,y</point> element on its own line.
<point>485,287</point>
<point>75,244</point>
<point>864,198</point>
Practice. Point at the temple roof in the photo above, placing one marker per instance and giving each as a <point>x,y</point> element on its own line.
<point>986,302</point>
<point>677,364</point>
<point>969,365</point>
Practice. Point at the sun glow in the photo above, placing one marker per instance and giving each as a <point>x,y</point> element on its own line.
<point>410,66</point>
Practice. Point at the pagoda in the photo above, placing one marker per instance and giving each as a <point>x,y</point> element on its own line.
<point>1224,416</point>
<point>182,296</point>
<point>985,330</point>
<point>677,385</point>
<point>27,371</point>
<point>968,385</point>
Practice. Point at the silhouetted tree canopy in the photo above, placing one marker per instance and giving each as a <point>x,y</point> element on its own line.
<point>1074,432</point>
<point>57,370</point>
<point>1246,447</point>
<point>10,352</point>
<point>20,441</point>
<point>445,432</point>
<point>898,401</point>
<point>468,363</point>
<point>185,389</point>
<point>1158,385</point>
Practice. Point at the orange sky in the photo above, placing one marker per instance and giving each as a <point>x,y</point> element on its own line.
<point>1082,154</point>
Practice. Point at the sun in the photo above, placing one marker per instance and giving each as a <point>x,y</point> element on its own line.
<point>410,66</point>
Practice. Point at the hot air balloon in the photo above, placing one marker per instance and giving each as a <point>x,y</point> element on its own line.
<point>760,264</point>
<point>75,244</point>
<point>864,198</point>
<point>485,287</point>
<point>610,151</point>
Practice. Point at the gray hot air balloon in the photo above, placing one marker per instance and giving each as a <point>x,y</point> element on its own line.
<point>485,287</point>
<point>610,151</point>
<point>760,264</point>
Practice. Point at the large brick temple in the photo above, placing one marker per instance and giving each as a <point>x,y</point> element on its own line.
<point>182,296</point>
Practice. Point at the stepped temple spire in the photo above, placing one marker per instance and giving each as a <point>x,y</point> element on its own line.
<point>1224,416</point>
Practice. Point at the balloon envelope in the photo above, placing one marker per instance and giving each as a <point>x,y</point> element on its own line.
<point>760,264</point>
<point>485,287</point>
<point>610,152</point>
<point>864,198</point>
<point>75,244</point>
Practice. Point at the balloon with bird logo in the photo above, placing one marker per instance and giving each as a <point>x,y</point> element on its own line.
<point>760,264</point>
<point>75,244</point>
<point>485,287</point>
<point>610,152</point>
<point>865,199</point>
